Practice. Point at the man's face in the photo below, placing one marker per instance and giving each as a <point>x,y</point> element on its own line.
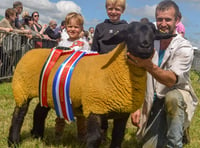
<point>12,18</point>
<point>19,9</point>
<point>91,30</point>
<point>166,21</point>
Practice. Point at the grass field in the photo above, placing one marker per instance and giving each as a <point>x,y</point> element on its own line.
<point>69,140</point>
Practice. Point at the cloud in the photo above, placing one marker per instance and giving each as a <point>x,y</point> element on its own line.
<point>64,7</point>
<point>56,11</point>
<point>92,23</point>
<point>68,6</point>
<point>146,11</point>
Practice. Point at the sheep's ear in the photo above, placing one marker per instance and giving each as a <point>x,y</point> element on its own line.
<point>161,35</point>
<point>117,38</point>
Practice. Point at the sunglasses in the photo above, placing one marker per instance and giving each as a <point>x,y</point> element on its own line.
<point>36,15</point>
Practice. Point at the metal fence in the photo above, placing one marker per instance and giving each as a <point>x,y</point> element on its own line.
<point>13,46</point>
<point>196,60</point>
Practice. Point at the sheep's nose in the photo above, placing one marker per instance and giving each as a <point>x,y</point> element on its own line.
<point>145,44</point>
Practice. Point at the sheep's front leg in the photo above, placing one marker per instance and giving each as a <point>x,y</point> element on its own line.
<point>16,124</point>
<point>39,116</point>
<point>119,126</point>
<point>81,128</point>
<point>93,131</point>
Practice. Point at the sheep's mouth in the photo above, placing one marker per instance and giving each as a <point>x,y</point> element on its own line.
<point>145,47</point>
<point>144,52</point>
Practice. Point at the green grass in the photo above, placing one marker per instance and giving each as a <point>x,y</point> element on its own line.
<point>69,140</point>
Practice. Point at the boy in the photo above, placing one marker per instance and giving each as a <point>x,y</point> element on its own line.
<point>109,27</point>
<point>105,30</point>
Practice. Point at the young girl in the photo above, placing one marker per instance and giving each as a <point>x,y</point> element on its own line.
<point>74,26</point>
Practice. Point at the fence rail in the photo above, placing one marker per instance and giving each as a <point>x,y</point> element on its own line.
<point>196,61</point>
<point>13,46</point>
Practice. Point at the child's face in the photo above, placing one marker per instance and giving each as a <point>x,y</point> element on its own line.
<point>114,12</point>
<point>74,29</point>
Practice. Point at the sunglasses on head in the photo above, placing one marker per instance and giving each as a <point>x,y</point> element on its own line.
<point>36,15</point>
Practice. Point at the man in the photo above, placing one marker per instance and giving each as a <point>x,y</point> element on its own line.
<point>50,30</point>
<point>8,21</point>
<point>170,101</point>
<point>59,29</point>
<point>18,6</point>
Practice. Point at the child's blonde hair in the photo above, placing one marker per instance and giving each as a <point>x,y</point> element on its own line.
<point>121,3</point>
<point>73,15</point>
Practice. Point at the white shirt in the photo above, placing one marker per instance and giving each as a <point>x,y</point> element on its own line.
<point>76,44</point>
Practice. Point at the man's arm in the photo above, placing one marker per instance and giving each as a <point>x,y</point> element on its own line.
<point>165,77</point>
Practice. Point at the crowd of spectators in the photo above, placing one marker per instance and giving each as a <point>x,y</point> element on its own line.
<point>17,20</point>
<point>29,25</point>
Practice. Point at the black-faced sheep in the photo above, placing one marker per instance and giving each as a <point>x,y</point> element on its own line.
<point>100,85</point>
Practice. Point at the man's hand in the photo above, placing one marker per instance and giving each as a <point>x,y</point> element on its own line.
<point>135,118</point>
<point>145,63</point>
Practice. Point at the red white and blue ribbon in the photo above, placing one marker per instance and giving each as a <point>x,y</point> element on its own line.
<point>50,62</point>
<point>61,84</point>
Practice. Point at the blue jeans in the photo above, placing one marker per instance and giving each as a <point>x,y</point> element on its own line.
<point>165,123</point>
<point>175,115</point>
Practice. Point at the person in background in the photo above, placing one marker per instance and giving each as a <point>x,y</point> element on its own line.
<point>180,28</point>
<point>170,101</point>
<point>144,20</point>
<point>28,23</point>
<point>50,31</point>
<point>60,28</point>
<point>105,30</point>
<point>84,35</point>
<point>36,26</point>
<point>64,37</point>
<point>8,24</point>
<point>24,14</point>
<point>90,35</point>
<point>9,21</point>
<point>18,6</point>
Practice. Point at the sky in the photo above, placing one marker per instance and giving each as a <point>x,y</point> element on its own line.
<point>94,12</point>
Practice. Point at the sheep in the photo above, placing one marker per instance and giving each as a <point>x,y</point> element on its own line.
<point>100,85</point>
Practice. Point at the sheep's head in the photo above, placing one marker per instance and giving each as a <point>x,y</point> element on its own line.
<point>139,38</point>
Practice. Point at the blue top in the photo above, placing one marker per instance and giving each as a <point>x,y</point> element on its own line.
<point>161,55</point>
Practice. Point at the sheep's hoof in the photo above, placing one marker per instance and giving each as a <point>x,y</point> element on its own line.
<point>12,144</point>
<point>36,134</point>
<point>104,137</point>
